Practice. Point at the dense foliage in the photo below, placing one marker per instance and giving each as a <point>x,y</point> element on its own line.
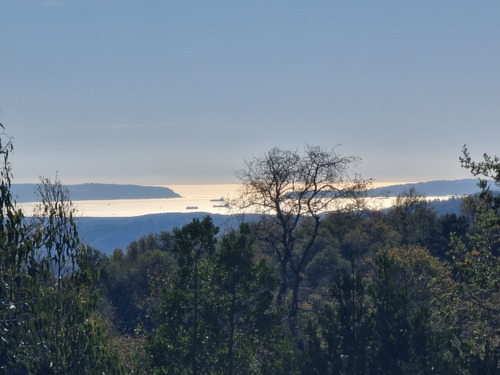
<point>399,291</point>
<point>49,320</point>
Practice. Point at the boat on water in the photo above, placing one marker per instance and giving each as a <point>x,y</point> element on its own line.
<point>225,205</point>
<point>221,199</point>
<point>191,207</point>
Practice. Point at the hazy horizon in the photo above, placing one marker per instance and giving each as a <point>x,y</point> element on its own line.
<point>194,198</point>
<point>170,92</point>
<point>187,185</point>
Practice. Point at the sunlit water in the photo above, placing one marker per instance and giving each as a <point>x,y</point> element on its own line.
<point>195,198</point>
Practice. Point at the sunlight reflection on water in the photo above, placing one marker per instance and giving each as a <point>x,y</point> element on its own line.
<point>194,198</point>
<point>203,197</point>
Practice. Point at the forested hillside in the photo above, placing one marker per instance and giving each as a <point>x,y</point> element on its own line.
<point>296,290</point>
<point>109,233</point>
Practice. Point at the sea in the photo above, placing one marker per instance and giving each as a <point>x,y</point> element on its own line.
<point>211,198</point>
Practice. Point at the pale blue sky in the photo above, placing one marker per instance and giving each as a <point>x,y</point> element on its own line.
<point>167,92</point>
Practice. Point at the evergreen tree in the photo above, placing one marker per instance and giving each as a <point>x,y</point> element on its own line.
<point>390,346</point>
<point>345,327</point>
<point>245,315</point>
<point>217,313</point>
<point>181,342</point>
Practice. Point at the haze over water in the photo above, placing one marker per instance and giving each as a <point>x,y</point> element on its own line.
<point>203,197</point>
<point>194,198</point>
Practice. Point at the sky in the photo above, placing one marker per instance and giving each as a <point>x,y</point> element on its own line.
<point>166,92</point>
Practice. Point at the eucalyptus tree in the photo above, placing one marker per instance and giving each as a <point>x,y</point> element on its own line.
<point>18,268</point>
<point>295,191</point>
<point>49,324</point>
<point>74,333</point>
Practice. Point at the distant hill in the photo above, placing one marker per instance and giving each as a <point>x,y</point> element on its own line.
<point>448,206</point>
<point>438,188</point>
<point>107,234</point>
<point>92,191</point>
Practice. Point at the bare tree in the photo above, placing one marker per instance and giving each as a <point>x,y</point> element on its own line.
<point>295,191</point>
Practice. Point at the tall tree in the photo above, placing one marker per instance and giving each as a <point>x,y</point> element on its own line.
<point>476,262</point>
<point>293,190</point>
<point>217,313</point>
<point>179,343</point>
<point>18,270</point>
<point>346,325</point>
<point>391,327</point>
<point>414,219</point>
<point>244,288</point>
